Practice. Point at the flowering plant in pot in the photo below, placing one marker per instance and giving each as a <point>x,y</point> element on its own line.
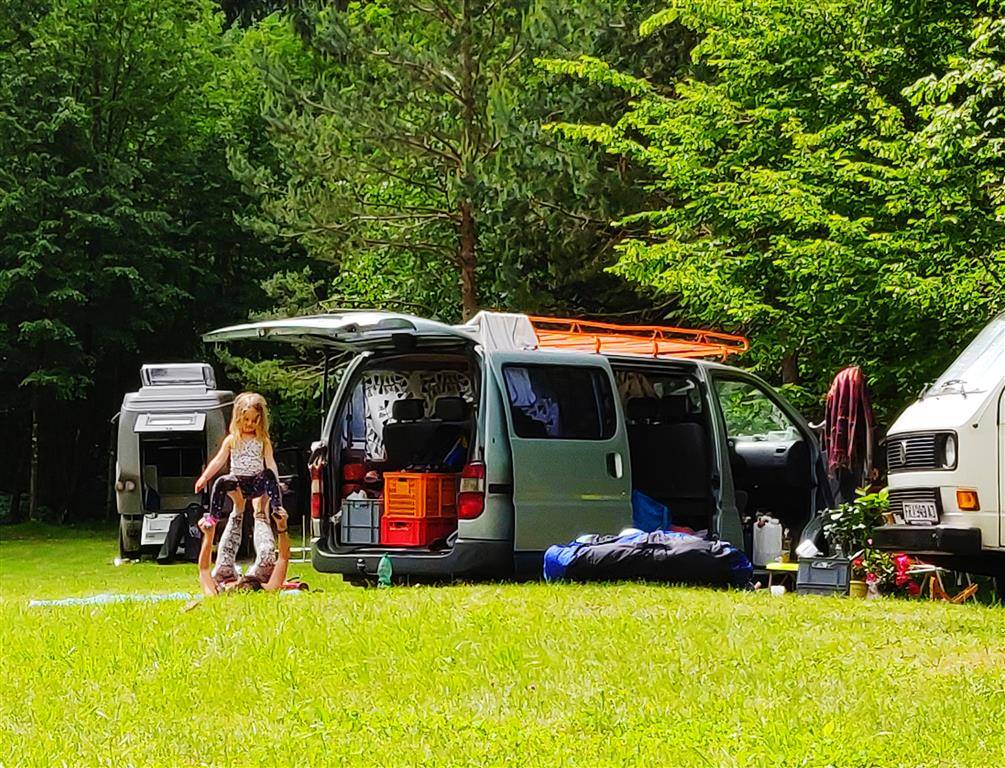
<point>885,571</point>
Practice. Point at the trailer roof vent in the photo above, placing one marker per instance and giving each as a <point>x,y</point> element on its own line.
<point>178,374</point>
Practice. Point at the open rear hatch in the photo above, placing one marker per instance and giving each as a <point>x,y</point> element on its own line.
<point>351,331</point>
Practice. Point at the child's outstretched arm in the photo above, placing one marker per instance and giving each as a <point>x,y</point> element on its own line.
<point>278,577</point>
<point>270,459</point>
<point>215,465</point>
<point>206,580</point>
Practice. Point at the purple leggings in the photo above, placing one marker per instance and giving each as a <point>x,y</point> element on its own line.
<point>251,487</point>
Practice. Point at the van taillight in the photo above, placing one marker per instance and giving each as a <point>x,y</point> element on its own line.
<point>471,499</point>
<point>316,490</point>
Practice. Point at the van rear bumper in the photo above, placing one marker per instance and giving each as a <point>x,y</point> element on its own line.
<point>468,558</point>
<point>928,539</point>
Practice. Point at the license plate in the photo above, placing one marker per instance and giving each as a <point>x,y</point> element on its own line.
<point>921,513</point>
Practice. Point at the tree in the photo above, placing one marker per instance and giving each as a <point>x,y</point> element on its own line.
<point>117,209</point>
<point>411,153</point>
<point>793,206</point>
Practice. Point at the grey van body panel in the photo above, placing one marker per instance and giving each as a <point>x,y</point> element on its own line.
<point>492,448</point>
<point>564,488</point>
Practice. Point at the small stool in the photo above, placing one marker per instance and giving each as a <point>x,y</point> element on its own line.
<point>784,572</point>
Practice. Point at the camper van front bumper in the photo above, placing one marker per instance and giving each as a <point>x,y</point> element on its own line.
<point>928,539</point>
<point>468,558</point>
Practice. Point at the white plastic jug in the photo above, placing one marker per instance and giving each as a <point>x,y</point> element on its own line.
<point>767,541</point>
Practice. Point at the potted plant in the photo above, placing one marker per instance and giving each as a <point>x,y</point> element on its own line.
<point>888,573</point>
<point>849,526</point>
<point>848,529</point>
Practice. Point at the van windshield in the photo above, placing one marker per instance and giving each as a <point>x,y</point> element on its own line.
<point>980,367</point>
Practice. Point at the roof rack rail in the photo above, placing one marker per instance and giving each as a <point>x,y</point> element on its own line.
<point>641,340</point>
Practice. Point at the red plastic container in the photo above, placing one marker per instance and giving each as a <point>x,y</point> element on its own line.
<point>415,531</point>
<point>353,473</point>
<point>420,494</point>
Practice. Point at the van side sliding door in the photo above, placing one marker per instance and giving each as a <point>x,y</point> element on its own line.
<point>571,473</point>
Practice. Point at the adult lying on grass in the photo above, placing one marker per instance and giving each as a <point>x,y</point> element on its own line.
<point>269,569</point>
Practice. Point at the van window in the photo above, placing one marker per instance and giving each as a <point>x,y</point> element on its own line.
<point>560,402</point>
<point>751,415</point>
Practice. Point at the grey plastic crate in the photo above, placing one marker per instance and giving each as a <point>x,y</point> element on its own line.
<point>361,521</point>
<point>823,576</point>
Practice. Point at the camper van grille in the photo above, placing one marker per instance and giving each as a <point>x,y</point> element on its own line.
<point>899,495</point>
<point>911,453</point>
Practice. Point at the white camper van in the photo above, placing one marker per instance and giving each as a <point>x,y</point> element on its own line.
<point>946,462</point>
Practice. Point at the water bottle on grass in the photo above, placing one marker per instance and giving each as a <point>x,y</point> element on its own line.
<point>384,572</point>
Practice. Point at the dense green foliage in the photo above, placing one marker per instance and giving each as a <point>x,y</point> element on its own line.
<point>411,154</point>
<point>117,209</point>
<point>481,675</point>
<point>819,188</point>
<point>824,176</point>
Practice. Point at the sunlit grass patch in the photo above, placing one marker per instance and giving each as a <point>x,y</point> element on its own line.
<point>482,675</point>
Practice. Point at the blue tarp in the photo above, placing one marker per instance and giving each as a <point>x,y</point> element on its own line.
<point>665,556</point>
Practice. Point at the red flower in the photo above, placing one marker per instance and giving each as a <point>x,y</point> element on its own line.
<point>857,563</point>
<point>913,589</point>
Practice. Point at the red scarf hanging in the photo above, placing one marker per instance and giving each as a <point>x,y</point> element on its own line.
<point>848,423</point>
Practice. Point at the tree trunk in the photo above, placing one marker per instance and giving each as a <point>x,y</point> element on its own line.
<point>790,368</point>
<point>467,261</point>
<point>33,471</point>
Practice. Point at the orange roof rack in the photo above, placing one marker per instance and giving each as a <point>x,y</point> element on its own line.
<point>642,340</point>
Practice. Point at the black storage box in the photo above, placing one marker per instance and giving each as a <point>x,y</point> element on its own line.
<point>823,576</point>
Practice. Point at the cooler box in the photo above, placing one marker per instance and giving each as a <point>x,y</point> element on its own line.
<point>420,494</point>
<point>823,576</point>
<point>415,531</point>
<point>361,521</point>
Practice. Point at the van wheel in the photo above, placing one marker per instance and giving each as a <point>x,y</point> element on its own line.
<point>1000,588</point>
<point>129,537</point>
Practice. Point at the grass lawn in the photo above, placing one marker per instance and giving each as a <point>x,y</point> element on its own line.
<point>482,675</point>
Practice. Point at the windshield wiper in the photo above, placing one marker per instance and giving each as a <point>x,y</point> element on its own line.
<point>947,384</point>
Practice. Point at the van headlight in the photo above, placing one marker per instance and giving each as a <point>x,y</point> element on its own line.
<point>947,452</point>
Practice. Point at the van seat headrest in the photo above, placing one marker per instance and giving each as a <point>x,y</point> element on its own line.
<point>675,409</point>
<point>408,409</point>
<point>450,409</point>
<point>641,409</point>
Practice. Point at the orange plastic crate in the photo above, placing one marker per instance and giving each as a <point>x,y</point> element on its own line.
<point>415,531</point>
<point>420,494</point>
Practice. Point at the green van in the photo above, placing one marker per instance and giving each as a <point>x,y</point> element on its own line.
<point>555,439</point>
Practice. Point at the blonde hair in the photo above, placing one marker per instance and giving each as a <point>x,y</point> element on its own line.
<point>250,401</point>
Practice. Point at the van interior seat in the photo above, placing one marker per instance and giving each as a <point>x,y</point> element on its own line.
<point>408,434</point>
<point>670,459</point>
<point>452,420</point>
<point>641,410</point>
<point>677,409</point>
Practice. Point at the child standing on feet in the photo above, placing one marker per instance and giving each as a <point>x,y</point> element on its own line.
<point>253,473</point>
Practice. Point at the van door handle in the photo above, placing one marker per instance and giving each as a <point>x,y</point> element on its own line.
<point>615,466</point>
